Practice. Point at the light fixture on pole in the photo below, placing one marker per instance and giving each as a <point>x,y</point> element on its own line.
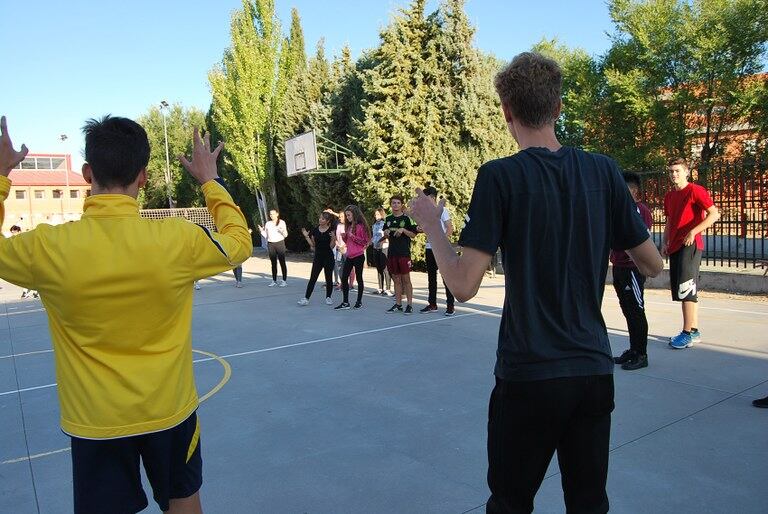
<point>164,107</point>
<point>63,138</point>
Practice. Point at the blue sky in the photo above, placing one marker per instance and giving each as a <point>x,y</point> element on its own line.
<point>69,61</point>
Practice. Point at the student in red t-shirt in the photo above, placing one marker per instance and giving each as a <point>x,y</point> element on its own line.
<point>628,283</point>
<point>689,211</point>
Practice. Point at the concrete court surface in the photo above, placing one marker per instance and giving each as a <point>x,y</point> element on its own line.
<point>367,412</point>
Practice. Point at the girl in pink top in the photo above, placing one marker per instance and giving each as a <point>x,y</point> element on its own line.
<point>356,238</point>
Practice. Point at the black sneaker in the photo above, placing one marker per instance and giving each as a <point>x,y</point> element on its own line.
<point>428,309</point>
<point>625,357</point>
<point>358,305</point>
<point>395,308</point>
<point>637,362</point>
<point>449,311</point>
<point>408,310</point>
<point>762,403</point>
<point>344,306</point>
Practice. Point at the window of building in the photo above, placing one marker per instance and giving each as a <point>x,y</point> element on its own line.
<point>43,163</point>
<point>28,163</point>
<point>57,162</point>
<point>21,194</point>
<point>57,193</point>
<point>74,193</point>
<point>39,194</point>
<point>87,192</point>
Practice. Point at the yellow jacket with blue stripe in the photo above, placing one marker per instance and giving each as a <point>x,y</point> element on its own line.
<point>118,292</point>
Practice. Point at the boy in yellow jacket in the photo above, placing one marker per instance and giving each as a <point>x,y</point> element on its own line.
<point>118,292</point>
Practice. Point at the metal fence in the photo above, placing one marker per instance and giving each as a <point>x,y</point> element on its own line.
<point>739,189</point>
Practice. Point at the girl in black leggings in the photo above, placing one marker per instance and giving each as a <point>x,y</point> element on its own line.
<point>356,237</point>
<point>322,239</point>
<point>276,231</point>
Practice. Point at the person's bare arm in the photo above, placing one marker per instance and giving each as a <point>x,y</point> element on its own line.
<point>665,239</point>
<point>463,273</point>
<point>713,214</point>
<point>647,258</point>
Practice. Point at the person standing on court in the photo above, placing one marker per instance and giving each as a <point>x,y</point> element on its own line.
<point>15,231</point>
<point>380,250</point>
<point>356,239</point>
<point>445,221</point>
<point>689,211</point>
<point>629,284</point>
<point>322,240</point>
<point>556,212</point>
<point>117,290</point>
<point>399,229</point>
<point>275,231</point>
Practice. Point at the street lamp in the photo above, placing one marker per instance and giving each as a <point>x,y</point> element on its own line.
<point>63,138</point>
<point>163,108</point>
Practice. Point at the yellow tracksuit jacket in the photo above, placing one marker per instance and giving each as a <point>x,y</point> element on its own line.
<point>118,292</point>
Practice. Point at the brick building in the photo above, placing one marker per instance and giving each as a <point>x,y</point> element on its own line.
<point>44,189</point>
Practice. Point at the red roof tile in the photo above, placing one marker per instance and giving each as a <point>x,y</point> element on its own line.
<point>45,178</point>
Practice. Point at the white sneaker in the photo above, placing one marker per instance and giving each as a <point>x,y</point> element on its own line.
<point>328,301</point>
<point>282,283</point>
<point>238,284</point>
<point>303,301</point>
<point>197,286</point>
<point>272,284</point>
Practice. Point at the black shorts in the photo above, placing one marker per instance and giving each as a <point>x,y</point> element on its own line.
<point>684,273</point>
<point>106,473</point>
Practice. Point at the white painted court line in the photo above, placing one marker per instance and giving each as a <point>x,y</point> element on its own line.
<point>36,456</point>
<point>20,312</point>
<point>491,312</point>
<point>704,307</point>
<point>46,386</point>
<point>23,354</point>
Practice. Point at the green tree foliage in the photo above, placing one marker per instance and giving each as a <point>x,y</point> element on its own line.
<point>583,91</point>
<point>677,70</point>
<point>244,89</point>
<point>429,112</point>
<point>184,189</point>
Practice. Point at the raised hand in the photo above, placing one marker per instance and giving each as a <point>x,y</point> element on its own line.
<point>305,232</point>
<point>203,163</point>
<point>425,211</point>
<point>9,158</point>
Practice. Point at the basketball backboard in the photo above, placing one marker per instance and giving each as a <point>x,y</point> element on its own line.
<point>301,153</point>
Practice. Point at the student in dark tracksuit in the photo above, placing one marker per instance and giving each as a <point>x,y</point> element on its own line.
<point>555,212</point>
<point>322,239</point>
<point>629,284</point>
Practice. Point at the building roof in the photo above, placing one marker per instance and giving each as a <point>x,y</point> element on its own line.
<point>45,178</point>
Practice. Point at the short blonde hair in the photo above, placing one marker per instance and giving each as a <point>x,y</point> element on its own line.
<point>530,87</point>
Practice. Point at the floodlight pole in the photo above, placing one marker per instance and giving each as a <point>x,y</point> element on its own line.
<point>63,138</point>
<point>163,107</point>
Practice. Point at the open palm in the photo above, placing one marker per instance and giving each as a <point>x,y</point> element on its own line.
<point>9,158</point>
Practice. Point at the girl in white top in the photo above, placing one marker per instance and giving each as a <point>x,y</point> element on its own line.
<point>275,231</point>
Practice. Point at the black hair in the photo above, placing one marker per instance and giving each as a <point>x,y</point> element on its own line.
<point>117,149</point>
<point>632,179</point>
<point>430,191</point>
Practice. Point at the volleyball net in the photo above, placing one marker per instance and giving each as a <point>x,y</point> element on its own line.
<point>197,215</point>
